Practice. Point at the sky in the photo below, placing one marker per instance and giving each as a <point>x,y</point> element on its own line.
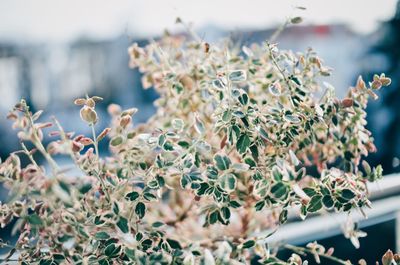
<point>64,20</point>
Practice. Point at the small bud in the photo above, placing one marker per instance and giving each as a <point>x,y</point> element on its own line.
<point>90,103</point>
<point>103,134</point>
<point>360,82</point>
<point>296,20</point>
<point>387,258</point>
<point>80,101</point>
<point>129,112</point>
<point>88,114</point>
<point>386,81</point>
<point>376,84</point>
<point>347,102</point>
<point>86,141</point>
<point>97,99</point>
<point>12,116</point>
<point>125,120</point>
<point>206,47</point>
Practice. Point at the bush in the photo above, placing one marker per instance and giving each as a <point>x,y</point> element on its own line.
<point>229,153</point>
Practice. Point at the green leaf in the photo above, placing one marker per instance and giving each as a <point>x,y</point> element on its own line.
<point>123,224</point>
<point>174,244</point>
<point>283,216</point>
<point>34,219</point>
<point>157,224</point>
<point>327,201</point>
<point>85,188</point>
<point>315,204</point>
<point>213,217</point>
<point>185,180</point>
<point>112,250</point>
<point>117,140</point>
<point>222,161</point>
<point>228,182</point>
<point>259,205</point>
<point>279,190</point>
<point>140,209</point>
<point>277,174</point>
<point>243,143</point>
<point>102,236</point>
<point>237,76</point>
<point>149,196</point>
<point>249,244</point>
<point>347,194</point>
<point>226,213</point>
<point>132,195</point>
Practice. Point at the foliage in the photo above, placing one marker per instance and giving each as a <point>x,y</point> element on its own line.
<point>229,153</point>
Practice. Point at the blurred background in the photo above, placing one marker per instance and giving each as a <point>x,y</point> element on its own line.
<point>52,52</point>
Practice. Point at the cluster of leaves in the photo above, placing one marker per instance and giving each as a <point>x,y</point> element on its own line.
<point>230,151</point>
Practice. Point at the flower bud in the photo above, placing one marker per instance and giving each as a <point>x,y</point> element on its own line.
<point>80,101</point>
<point>90,103</point>
<point>125,120</point>
<point>386,81</point>
<point>376,84</point>
<point>86,141</point>
<point>103,134</point>
<point>387,258</point>
<point>347,102</point>
<point>88,114</point>
<point>129,112</point>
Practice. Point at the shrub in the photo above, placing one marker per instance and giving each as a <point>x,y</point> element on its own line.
<point>229,153</point>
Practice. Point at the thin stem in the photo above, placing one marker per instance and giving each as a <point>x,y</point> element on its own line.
<point>29,155</point>
<point>303,251</point>
<point>277,65</point>
<point>38,144</point>
<point>96,148</point>
<point>95,143</point>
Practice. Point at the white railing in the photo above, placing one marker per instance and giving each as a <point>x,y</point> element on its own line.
<point>385,196</point>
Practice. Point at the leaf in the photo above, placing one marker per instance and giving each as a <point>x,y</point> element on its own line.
<point>140,209</point>
<point>85,188</point>
<point>174,244</point>
<point>296,20</point>
<point>237,76</point>
<point>34,219</point>
<point>132,195</point>
<point>123,224</point>
<point>199,125</point>
<point>243,143</point>
<point>157,224</point>
<point>185,180</point>
<point>218,84</point>
<point>117,140</point>
<point>279,190</point>
<point>112,250</point>
<point>226,213</point>
<point>347,194</point>
<point>222,162</point>
<point>228,182</point>
<point>327,201</point>
<point>101,236</point>
<point>149,196</point>
<point>315,204</point>
<point>249,244</point>
<point>292,118</point>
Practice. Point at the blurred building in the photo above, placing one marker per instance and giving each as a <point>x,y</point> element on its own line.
<point>51,76</point>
